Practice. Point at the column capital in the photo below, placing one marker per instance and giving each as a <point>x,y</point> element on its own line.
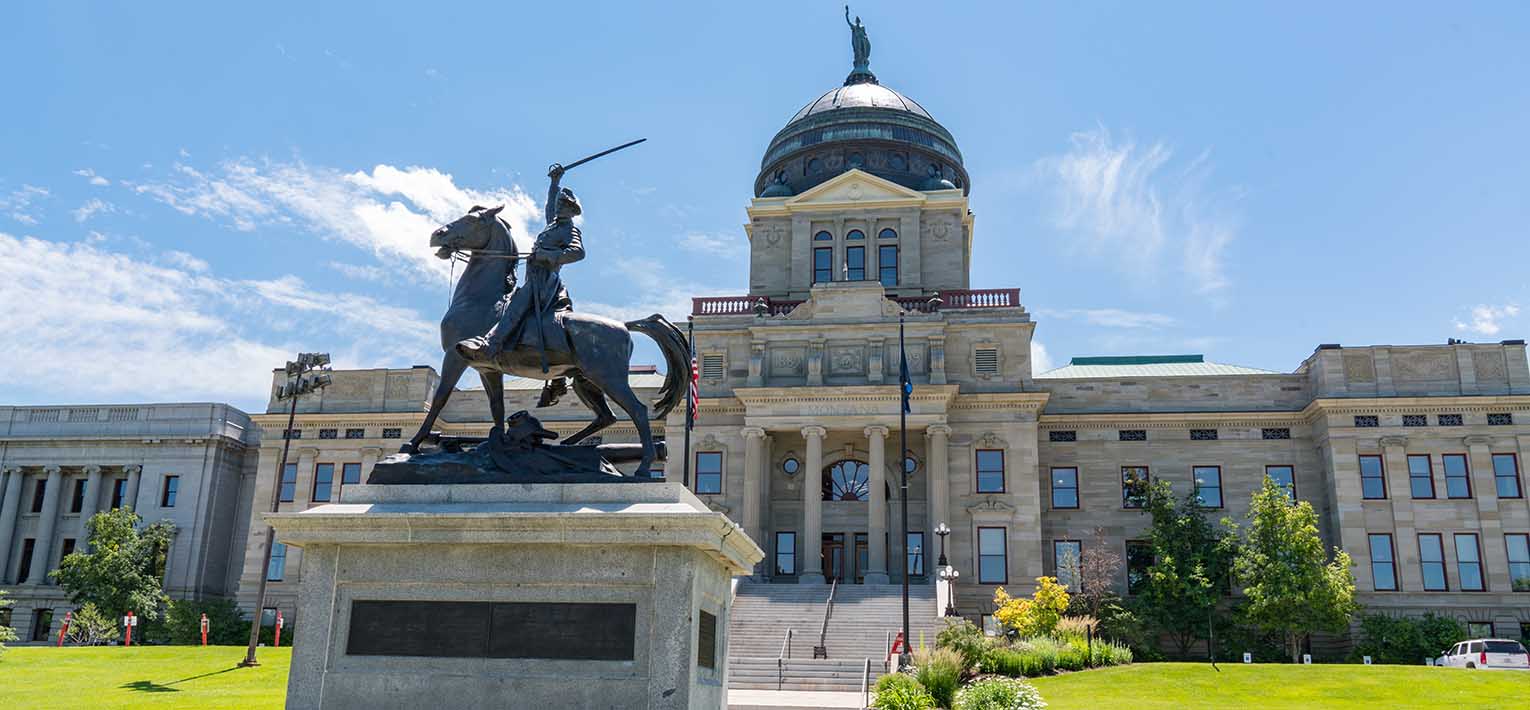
<point>1478,440</point>
<point>92,470</point>
<point>937,430</point>
<point>307,453</point>
<point>752,432</point>
<point>372,451</point>
<point>132,469</point>
<point>11,470</point>
<point>876,431</point>
<point>53,470</point>
<point>814,432</point>
<point>1400,442</point>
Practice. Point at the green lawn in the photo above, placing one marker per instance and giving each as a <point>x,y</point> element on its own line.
<point>1150,686</point>
<point>110,677</point>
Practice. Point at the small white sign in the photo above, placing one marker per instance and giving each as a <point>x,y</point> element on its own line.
<point>1248,657</point>
<point>1306,659</point>
<point>1366,660</point>
<point>1428,661</point>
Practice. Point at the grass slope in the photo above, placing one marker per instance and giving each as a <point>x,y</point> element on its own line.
<point>110,677</point>
<point>1150,686</point>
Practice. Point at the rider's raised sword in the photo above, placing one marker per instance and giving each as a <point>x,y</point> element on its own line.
<point>607,151</point>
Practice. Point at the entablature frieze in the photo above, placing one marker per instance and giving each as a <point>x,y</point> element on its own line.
<point>1345,406</point>
<point>1171,420</point>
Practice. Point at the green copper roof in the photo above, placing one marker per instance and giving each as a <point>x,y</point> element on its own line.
<point>1136,359</point>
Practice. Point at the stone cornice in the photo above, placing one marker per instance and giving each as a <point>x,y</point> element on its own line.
<point>752,397</point>
<point>1031,402</point>
<point>1415,405</point>
<point>325,420</point>
<point>1170,420</point>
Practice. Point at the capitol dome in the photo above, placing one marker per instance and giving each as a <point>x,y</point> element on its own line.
<point>864,125</point>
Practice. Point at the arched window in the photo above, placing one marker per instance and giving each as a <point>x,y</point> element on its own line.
<point>855,234</point>
<point>846,480</point>
<point>888,233</point>
<point>823,237</point>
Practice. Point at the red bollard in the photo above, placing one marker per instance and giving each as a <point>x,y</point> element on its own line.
<point>204,629</point>
<point>67,616</point>
<point>129,622</point>
<point>278,639</point>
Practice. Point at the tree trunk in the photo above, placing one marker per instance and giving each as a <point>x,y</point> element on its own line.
<point>1293,642</point>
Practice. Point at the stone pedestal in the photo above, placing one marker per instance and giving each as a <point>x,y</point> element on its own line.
<point>513,596</point>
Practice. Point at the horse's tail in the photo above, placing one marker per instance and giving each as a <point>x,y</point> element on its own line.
<point>677,360</point>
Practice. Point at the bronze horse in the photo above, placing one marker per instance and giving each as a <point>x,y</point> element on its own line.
<point>596,352</point>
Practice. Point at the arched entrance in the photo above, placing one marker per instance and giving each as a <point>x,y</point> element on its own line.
<point>845,550</point>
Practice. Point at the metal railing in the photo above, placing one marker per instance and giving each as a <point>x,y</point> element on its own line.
<point>786,652</point>
<point>866,685</point>
<point>951,299</point>
<point>822,649</point>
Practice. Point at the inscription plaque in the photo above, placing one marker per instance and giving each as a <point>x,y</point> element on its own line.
<point>706,641</point>
<point>553,630</point>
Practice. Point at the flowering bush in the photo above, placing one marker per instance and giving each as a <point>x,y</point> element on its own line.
<point>899,691</point>
<point>1037,616</point>
<point>999,694</point>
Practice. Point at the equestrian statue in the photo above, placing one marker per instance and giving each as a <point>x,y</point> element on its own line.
<point>532,331</point>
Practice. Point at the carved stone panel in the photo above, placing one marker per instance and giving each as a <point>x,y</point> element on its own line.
<point>1423,365</point>
<point>788,362</point>
<point>847,359</point>
<point>1489,366</point>
<point>916,358</point>
<point>1359,367</point>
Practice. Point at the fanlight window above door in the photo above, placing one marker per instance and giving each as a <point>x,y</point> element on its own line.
<point>846,480</point>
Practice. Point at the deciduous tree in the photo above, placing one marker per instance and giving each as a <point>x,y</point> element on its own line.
<point>1191,557</point>
<point>124,569</point>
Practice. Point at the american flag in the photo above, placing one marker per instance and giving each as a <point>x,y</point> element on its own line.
<point>693,395</point>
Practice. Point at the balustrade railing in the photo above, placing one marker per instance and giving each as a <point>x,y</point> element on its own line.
<point>957,299</point>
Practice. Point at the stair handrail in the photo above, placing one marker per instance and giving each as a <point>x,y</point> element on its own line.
<point>823,631</point>
<point>786,645</point>
<point>866,685</point>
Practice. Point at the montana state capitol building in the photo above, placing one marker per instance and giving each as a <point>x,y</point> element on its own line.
<point>1413,456</point>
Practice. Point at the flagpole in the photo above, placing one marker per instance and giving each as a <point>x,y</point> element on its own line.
<point>903,392</point>
<point>691,405</point>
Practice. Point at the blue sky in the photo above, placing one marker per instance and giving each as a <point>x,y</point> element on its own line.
<point>191,192</point>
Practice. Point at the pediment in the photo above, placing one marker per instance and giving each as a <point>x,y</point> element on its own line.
<point>855,187</point>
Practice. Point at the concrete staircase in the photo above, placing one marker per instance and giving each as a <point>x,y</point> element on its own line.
<point>858,629</point>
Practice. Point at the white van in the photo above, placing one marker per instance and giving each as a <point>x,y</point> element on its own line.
<point>1496,654</point>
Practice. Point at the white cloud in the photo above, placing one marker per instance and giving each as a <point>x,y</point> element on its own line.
<point>388,212</point>
<point>710,243</point>
<point>1111,317</point>
<point>93,207</point>
<point>1122,201</point>
<point>16,203</point>
<point>102,325</point>
<point>1041,360</point>
<point>654,289</point>
<point>1486,319</point>
<point>91,175</point>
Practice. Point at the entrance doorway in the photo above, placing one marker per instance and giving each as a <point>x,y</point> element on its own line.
<point>833,557</point>
<point>862,558</point>
<point>844,564</point>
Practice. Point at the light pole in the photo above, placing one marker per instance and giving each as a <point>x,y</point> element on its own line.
<point>942,531</point>
<point>946,573</point>
<point>906,388</point>
<point>305,375</point>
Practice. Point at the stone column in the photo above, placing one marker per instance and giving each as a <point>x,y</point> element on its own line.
<point>13,478</point>
<point>754,472</point>
<point>302,492</point>
<point>876,507</point>
<point>42,554</point>
<point>134,474</point>
<point>91,505</point>
<point>1410,576</point>
<point>369,459</point>
<point>1495,557</point>
<point>937,440</point>
<point>812,508</point>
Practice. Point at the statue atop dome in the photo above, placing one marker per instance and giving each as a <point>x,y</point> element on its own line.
<point>860,45</point>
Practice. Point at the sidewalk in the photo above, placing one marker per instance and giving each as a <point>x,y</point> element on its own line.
<point>790,700</point>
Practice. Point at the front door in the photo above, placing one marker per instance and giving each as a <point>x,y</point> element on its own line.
<point>862,558</point>
<point>833,556</point>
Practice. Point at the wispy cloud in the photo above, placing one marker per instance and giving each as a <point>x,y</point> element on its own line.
<point>17,204</point>
<point>1486,319</point>
<point>1041,360</point>
<point>91,175</point>
<point>1131,204</point>
<point>93,207</point>
<point>711,243</point>
<point>1111,317</point>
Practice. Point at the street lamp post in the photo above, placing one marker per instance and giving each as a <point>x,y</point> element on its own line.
<point>942,531</point>
<point>945,572</point>
<point>305,375</point>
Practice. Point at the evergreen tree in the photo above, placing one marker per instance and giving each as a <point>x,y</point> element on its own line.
<point>124,569</point>
<point>1291,586</point>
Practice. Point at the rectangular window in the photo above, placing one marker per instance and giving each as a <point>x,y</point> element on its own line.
<point>350,474</point>
<point>1139,557</point>
<point>289,483</point>
<point>329,433</point>
<point>823,265</point>
<point>1421,475</point>
<point>709,472</point>
<point>1367,421</point>
<point>887,265</point>
<point>1065,487</point>
<point>323,482</point>
<point>39,494</point>
<point>1450,420</point>
<point>356,433</point>
<point>990,471</point>
<point>1062,436</point>
<point>855,263</point>
<point>915,554</point>
<point>1415,420</point>
<point>786,553</point>
<point>77,501</point>
<point>993,556</point>
<point>28,546</point>
<point>42,623</point>
<point>1134,486</point>
<point>1373,484</point>
<point>1208,485</point>
<point>1132,435</point>
<point>1275,433</point>
<point>277,570</point>
<point>1506,475</point>
<point>119,491</point>
<point>168,491</point>
<point>292,434</point>
<point>393,433</point>
<point>1519,561</point>
<point>1383,564</point>
<point>1431,559</point>
<point>1067,559</point>
<point>1469,562</point>
<point>1458,477</point>
<point>1283,476</point>
<point>1203,434</point>
<point>68,548</point>
<point>1500,419</point>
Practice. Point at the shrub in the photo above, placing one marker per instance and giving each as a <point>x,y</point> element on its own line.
<point>89,627</point>
<point>1075,627</point>
<point>1037,616</point>
<point>1044,656</point>
<point>1402,639</point>
<point>6,632</point>
<point>899,691</point>
<point>226,626</point>
<point>967,640</point>
<point>940,672</point>
<point>999,694</point>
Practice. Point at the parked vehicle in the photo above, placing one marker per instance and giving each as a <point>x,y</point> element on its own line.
<point>1485,654</point>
